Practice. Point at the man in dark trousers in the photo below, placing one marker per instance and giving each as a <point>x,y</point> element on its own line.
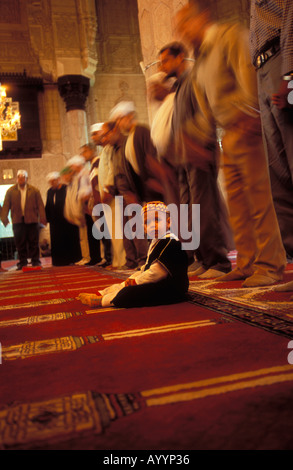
<point>27,211</point>
<point>91,152</point>
<point>271,46</point>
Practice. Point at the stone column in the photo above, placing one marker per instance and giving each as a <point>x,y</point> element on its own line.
<point>74,90</point>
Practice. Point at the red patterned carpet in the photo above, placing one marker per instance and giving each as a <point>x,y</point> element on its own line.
<point>199,375</point>
<point>261,306</point>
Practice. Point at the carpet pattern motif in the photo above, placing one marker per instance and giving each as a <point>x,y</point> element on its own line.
<point>71,374</point>
<point>258,306</point>
<point>92,412</point>
<point>71,343</point>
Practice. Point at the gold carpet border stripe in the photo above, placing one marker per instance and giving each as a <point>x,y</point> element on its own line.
<point>160,329</point>
<point>36,304</point>
<point>30,275</point>
<point>47,284</point>
<point>188,396</point>
<point>48,277</point>
<point>216,380</point>
<point>103,309</point>
<point>34,319</point>
<point>20,277</point>
<point>31,294</point>
<point>27,286</point>
<point>55,291</point>
<point>81,274</point>
<point>81,412</point>
<point>71,343</point>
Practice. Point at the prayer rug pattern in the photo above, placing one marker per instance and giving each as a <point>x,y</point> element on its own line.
<point>258,306</point>
<point>75,377</point>
<point>71,343</point>
<point>92,412</point>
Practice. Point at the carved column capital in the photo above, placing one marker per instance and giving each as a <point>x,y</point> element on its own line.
<point>74,90</point>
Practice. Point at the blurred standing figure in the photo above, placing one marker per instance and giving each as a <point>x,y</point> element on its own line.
<point>65,246</point>
<point>27,211</point>
<point>135,249</point>
<point>196,183</point>
<point>226,89</point>
<point>91,154</point>
<point>141,166</point>
<point>173,70</point>
<point>113,214</point>
<point>77,197</point>
<point>271,44</point>
<point>132,171</point>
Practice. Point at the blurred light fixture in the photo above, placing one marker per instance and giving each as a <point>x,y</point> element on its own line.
<point>7,174</point>
<point>9,116</point>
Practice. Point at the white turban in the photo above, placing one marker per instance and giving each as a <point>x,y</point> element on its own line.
<point>77,160</point>
<point>96,127</point>
<point>22,173</point>
<point>54,175</point>
<point>122,109</point>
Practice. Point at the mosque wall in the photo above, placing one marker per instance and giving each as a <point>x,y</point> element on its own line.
<point>118,75</point>
<point>109,43</point>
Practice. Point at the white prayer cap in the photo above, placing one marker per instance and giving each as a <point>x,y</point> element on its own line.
<point>122,109</point>
<point>22,173</point>
<point>54,175</point>
<point>96,127</point>
<point>77,160</point>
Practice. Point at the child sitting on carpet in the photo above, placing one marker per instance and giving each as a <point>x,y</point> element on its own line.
<point>162,280</point>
